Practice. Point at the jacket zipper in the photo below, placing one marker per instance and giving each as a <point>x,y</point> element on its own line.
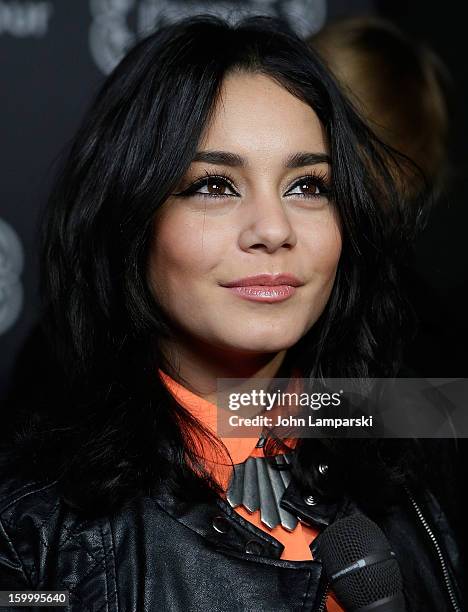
<point>440,556</point>
<point>324,599</point>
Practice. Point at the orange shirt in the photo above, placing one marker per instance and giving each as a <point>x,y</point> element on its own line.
<point>297,542</point>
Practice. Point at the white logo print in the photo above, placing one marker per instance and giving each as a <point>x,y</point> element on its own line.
<point>22,19</point>
<point>11,266</point>
<point>111,35</point>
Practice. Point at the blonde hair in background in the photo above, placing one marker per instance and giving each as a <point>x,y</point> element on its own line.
<point>398,86</point>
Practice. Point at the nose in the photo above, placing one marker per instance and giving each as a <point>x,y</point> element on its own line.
<point>268,226</point>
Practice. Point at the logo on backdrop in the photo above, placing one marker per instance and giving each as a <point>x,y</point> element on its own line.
<point>118,24</point>
<point>11,266</point>
<point>23,19</point>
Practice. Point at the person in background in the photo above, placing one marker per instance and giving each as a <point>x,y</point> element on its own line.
<point>399,86</point>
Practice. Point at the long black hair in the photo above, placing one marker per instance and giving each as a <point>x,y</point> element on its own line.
<point>115,431</point>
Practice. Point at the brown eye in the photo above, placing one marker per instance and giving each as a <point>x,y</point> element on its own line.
<point>210,187</point>
<point>309,187</point>
<point>215,187</point>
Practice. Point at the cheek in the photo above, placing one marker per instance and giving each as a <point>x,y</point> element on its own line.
<point>324,248</point>
<point>181,253</point>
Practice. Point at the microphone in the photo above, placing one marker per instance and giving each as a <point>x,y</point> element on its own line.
<point>360,565</point>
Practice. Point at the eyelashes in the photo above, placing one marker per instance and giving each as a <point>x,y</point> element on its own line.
<point>224,180</point>
<point>318,180</point>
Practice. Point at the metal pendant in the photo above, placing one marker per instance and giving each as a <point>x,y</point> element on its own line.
<point>256,485</point>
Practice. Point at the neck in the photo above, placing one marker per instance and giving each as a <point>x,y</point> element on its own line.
<point>197,366</point>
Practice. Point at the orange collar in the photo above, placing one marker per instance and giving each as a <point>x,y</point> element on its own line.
<point>206,412</point>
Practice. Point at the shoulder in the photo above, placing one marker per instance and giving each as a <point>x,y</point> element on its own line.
<point>19,491</point>
<point>19,496</point>
<point>26,505</point>
<point>43,541</point>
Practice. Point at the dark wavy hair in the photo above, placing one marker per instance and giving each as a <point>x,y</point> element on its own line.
<point>114,431</point>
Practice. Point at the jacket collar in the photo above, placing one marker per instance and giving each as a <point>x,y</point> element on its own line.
<point>319,514</point>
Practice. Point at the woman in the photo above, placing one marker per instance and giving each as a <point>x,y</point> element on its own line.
<point>206,160</point>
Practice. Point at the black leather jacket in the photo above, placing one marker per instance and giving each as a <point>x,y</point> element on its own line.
<point>161,554</point>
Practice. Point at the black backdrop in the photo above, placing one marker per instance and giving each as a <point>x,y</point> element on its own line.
<point>54,55</point>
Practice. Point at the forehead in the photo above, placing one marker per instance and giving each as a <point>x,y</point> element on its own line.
<point>256,114</point>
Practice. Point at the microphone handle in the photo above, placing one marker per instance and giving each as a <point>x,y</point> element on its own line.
<point>395,603</point>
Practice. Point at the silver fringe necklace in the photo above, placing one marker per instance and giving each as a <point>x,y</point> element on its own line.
<point>256,485</point>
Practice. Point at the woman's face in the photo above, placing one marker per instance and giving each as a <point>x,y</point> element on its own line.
<point>254,201</point>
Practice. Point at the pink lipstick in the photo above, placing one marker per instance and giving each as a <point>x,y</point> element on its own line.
<point>265,287</point>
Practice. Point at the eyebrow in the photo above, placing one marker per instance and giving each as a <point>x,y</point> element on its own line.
<point>297,160</point>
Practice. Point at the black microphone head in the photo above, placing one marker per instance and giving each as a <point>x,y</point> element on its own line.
<point>352,540</point>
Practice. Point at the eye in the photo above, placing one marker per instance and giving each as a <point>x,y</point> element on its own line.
<point>310,186</point>
<point>213,186</point>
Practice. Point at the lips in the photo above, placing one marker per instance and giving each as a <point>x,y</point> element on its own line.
<point>268,288</point>
<point>269,280</point>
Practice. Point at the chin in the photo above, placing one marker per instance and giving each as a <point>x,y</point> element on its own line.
<point>264,342</point>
